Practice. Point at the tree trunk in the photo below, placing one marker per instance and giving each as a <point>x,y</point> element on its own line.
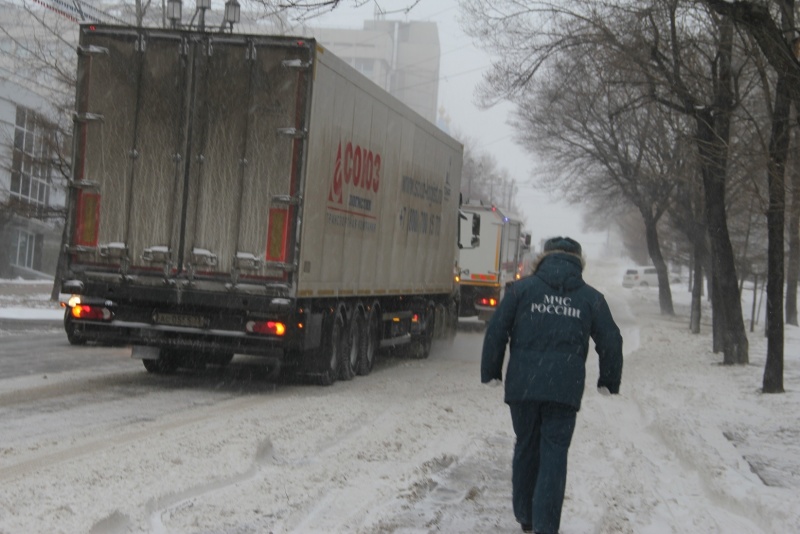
<point>656,256</point>
<point>725,298</point>
<point>697,287</point>
<point>793,227</point>
<point>778,153</point>
<point>753,306</point>
<point>713,135</point>
<point>717,320</point>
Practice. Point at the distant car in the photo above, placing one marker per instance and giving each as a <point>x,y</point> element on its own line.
<point>640,277</point>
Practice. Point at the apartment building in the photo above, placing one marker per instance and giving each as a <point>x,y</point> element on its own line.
<point>31,194</point>
<point>32,190</point>
<point>400,57</point>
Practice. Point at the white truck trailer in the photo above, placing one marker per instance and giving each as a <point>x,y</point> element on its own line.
<point>251,194</point>
<point>493,261</point>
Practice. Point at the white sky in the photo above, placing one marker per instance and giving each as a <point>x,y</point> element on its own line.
<point>461,67</point>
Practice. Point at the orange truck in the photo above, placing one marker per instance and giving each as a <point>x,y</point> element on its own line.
<point>492,261</point>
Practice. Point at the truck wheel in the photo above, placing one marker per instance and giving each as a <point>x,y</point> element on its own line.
<point>452,322</point>
<point>371,341</point>
<point>165,364</point>
<point>421,348</point>
<point>73,336</point>
<point>330,353</point>
<point>440,322</point>
<point>354,347</point>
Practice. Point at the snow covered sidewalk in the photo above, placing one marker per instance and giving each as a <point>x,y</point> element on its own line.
<point>690,445</point>
<point>26,304</point>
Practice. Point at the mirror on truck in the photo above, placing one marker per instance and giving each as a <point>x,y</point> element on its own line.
<point>461,218</point>
<point>469,228</point>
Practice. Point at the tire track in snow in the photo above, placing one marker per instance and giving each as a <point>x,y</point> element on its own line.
<point>73,386</point>
<point>382,451</point>
<point>157,507</point>
<point>184,418</point>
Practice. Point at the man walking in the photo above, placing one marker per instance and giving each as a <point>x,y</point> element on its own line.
<point>549,318</point>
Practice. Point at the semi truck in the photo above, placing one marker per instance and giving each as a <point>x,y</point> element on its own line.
<point>492,261</point>
<point>253,194</point>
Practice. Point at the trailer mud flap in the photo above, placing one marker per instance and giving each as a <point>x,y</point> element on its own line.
<point>313,331</point>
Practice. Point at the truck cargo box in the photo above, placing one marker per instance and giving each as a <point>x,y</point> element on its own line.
<point>223,178</point>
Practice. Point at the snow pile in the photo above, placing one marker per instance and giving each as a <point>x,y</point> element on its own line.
<point>28,299</point>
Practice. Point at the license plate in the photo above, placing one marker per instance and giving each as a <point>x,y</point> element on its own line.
<point>179,319</point>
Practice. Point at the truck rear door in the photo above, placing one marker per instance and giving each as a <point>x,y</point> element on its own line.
<point>189,153</point>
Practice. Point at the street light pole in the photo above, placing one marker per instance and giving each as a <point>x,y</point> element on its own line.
<point>174,12</point>
<point>232,13</point>
<point>202,5</point>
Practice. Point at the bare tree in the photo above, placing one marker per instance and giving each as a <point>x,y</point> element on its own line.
<point>680,51</point>
<point>302,10</point>
<point>770,30</point>
<point>605,142</point>
<point>793,228</point>
<point>483,180</point>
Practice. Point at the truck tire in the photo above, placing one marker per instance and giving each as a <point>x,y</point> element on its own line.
<point>452,322</point>
<point>421,348</point>
<point>440,322</point>
<point>371,342</point>
<point>165,364</point>
<point>329,355</point>
<point>73,336</point>
<point>351,356</point>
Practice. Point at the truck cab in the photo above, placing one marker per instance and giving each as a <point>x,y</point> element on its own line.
<point>492,261</point>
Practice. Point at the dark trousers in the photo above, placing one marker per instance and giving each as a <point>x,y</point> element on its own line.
<point>539,470</point>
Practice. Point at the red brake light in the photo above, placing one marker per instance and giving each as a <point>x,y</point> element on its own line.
<point>269,328</point>
<point>83,311</point>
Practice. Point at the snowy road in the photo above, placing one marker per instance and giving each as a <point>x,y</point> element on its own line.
<point>416,447</point>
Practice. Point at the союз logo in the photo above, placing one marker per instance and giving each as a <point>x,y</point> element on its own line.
<point>358,166</point>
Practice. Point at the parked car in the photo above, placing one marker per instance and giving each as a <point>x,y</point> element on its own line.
<point>640,277</point>
<point>645,277</point>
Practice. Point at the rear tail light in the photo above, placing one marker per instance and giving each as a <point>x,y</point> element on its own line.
<point>484,301</point>
<point>92,313</point>
<point>277,234</point>
<point>88,218</point>
<point>267,328</point>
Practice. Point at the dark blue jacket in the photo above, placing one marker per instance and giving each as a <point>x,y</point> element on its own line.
<point>550,317</point>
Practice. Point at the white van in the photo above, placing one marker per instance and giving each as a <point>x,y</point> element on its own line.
<point>640,277</point>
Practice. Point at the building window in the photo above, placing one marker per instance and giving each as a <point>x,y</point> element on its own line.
<point>365,67</point>
<point>31,170</point>
<point>26,250</point>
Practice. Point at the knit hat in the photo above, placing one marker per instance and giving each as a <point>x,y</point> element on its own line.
<point>562,244</point>
<point>556,245</point>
